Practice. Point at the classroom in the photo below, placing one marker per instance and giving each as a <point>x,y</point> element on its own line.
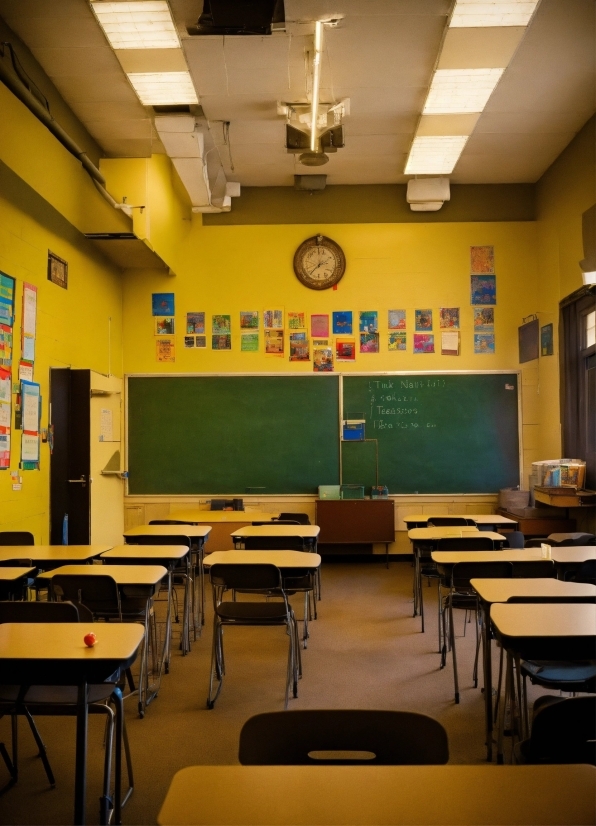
<point>329,260</point>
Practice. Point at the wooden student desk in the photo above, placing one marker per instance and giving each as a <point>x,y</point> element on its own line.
<point>380,796</point>
<point>492,591</point>
<point>44,653</point>
<point>570,558</point>
<point>281,559</point>
<point>421,520</point>
<point>306,533</point>
<point>9,577</point>
<point>222,523</point>
<point>48,556</point>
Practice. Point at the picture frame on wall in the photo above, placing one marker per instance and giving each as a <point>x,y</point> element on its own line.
<point>547,340</point>
<point>57,270</point>
<point>528,335</point>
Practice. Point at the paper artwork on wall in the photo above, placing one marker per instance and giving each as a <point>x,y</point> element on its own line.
<point>449,318</point>
<point>396,319</point>
<point>450,343</point>
<point>397,341</point>
<point>30,417</point>
<point>200,341</point>
<point>424,343</point>
<point>368,322</point>
<point>299,347</point>
<point>274,342</point>
<point>249,342</point>
<point>164,326</point>
<point>28,325</point>
<point>221,325</point>
<point>162,304</point>
<point>165,349</point>
<point>297,321</point>
<point>273,319</point>
<point>195,323</point>
<point>249,320</point>
<point>482,260</point>
<point>221,341</point>
<point>483,289</point>
<point>345,349</point>
<point>484,319</point>
<point>484,344</point>
<point>546,340</point>
<point>319,325</point>
<point>25,371</point>
<point>424,320</point>
<point>322,359</point>
<point>7,288</point>
<point>5,416</point>
<point>189,341</point>
<point>342,323</point>
<point>5,345</point>
<point>369,342</point>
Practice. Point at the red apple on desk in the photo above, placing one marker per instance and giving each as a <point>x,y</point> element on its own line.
<point>90,639</point>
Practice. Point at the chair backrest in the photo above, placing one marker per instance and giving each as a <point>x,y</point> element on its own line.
<point>515,539</point>
<point>586,572</point>
<point>39,612</point>
<point>19,562</point>
<point>252,577</point>
<point>279,522</point>
<point>391,738</point>
<point>169,522</point>
<point>273,543</point>
<point>149,539</point>
<point>533,570</point>
<point>536,543</point>
<point>16,538</point>
<point>561,600</point>
<point>98,592</point>
<point>466,543</point>
<point>564,732</point>
<point>444,521</point>
<point>301,518</point>
<point>223,504</point>
<point>463,572</point>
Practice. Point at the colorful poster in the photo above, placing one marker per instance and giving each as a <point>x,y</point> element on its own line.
<point>322,360</point>
<point>450,343</point>
<point>319,325</point>
<point>249,320</point>
<point>274,342</point>
<point>424,320</point>
<point>449,318</point>
<point>345,349</point>
<point>221,341</point>
<point>7,291</point>
<point>396,319</point>
<point>424,343</point>
<point>369,322</point>
<point>273,319</point>
<point>195,322</point>
<point>5,388</point>
<point>164,326</point>
<point>165,349</point>
<point>249,342</point>
<point>299,348</point>
<point>30,397</point>
<point>369,342</point>
<point>484,319</point>
<point>25,371</point>
<point>297,321</point>
<point>484,344</point>
<point>221,325</point>
<point>546,340</point>
<point>5,345</point>
<point>342,323</point>
<point>28,352</point>
<point>29,310</point>
<point>483,289</point>
<point>29,450</point>
<point>162,304</point>
<point>200,341</point>
<point>482,260</point>
<point>189,341</point>
<point>397,341</point>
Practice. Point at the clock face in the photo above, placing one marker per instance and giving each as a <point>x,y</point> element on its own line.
<point>319,262</point>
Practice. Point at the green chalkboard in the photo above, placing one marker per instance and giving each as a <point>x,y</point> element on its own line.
<point>436,433</point>
<point>222,435</point>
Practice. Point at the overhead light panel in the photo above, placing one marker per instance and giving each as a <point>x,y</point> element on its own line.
<point>142,24</point>
<point>480,13</point>
<point>161,88</point>
<point>435,154</point>
<point>460,91</point>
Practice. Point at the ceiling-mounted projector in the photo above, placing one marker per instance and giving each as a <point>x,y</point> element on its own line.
<point>427,194</point>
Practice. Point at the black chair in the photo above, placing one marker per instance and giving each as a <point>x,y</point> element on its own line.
<point>278,522</point>
<point>446,521</point>
<point>466,543</point>
<point>563,731</point>
<point>388,738</point>
<point>515,539</point>
<point>537,542</point>
<point>300,518</point>
<point>585,573</point>
<point>16,590</point>
<point>61,701</point>
<point>16,538</point>
<point>542,568</point>
<point>256,579</point>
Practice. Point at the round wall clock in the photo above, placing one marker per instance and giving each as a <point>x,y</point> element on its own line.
<point>319,262</point>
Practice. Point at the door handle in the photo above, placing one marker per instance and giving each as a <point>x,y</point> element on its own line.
<point>82,481</point>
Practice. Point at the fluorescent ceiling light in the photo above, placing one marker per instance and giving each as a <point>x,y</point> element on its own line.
<point>143,24</point>
<point>478,13</point>
<point>434,154</point>
<point>460,91</point>
<point>160,88</point>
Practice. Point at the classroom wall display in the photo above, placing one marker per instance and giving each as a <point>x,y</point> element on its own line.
<point>195,323</point>
<point>299,347</point>
<point>369,342</point>
<point>368,321</point>
<point>164,326</point>
<point>322,358</point>
<point>345,349</point>
<point>57,270</point>
<point>165,349</point>
<point>482,260</point>
<point>484,319</point>
<point>483,289</point>
<point>528,335</point>
<point>30,418</point>
<point>342,322</point>
<point>450,342</point>
<point>200,341</point>
<point>397,341</point>
<point>297,321</point>
<point>449,318</point>
<point>546,340</point>
<point>273,319</point>
<point>249,320</point>
<point>221,325</point>
<point>7,299</point>
<point>423,320</point>
<point>424,343</point>
<point>189,341</point>
<point>396,319</point>
<point>319,325</point>
<point>5,416</point>
<point>28,330</point>
<point>221,341</point>
<point>484,344</point>
<point>162,304</point>
<point>249,342</point>
<point>274,342</point>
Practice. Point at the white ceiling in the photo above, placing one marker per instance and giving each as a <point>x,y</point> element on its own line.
<point>381,56</point>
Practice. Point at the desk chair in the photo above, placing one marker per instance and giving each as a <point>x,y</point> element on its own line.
<point>446,521</point>
<point>543,569</point>
<point>563,731</point>
<point>585,573</point>
<point>256,579</point>
<point>381,738</point>
<point>515,539</point>
<point>278,522</point>
<point>537,542</point>
<point>460,594</point>
<point>61,701</point>
<point>16,538</point>
<point>16,590</point>
<point>301,518</point>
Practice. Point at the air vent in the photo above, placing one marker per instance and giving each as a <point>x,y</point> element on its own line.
<point>255,17</point>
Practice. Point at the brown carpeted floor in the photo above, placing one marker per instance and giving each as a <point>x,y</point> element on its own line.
<point>365,651</point>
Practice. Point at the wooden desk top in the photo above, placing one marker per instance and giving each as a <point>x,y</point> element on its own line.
<point>577,553</point>
<point>52,553</point>
<point>417,534</point>
<point>283,559</point>
<point>507,555</point>
<point>146,552</point>
<point>199,517</point>
<point>544,620</point>
<point>64,640</point>
<point>302,531</point>
<point>479,518</point>
<point>499,590</point>
<point>12,574</point>
<point>122,574</point>
<point>190,531</point>
<point>380,795</point>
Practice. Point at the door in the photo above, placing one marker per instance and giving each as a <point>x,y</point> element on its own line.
<point>70,494</point>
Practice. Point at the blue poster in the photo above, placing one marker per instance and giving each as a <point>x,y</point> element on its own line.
<point>342,322</point>
<point>162,304</point>
<point>484,289</point>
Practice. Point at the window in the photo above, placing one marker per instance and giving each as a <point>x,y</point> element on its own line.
<point>590,329</point>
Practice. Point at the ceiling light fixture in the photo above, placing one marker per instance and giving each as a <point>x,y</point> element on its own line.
<point>435,154</point>
<point>160,88</point>
<point>480,13</point>
<point>316,84</point>
<point>460,91</point>
<point>142,24</point>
